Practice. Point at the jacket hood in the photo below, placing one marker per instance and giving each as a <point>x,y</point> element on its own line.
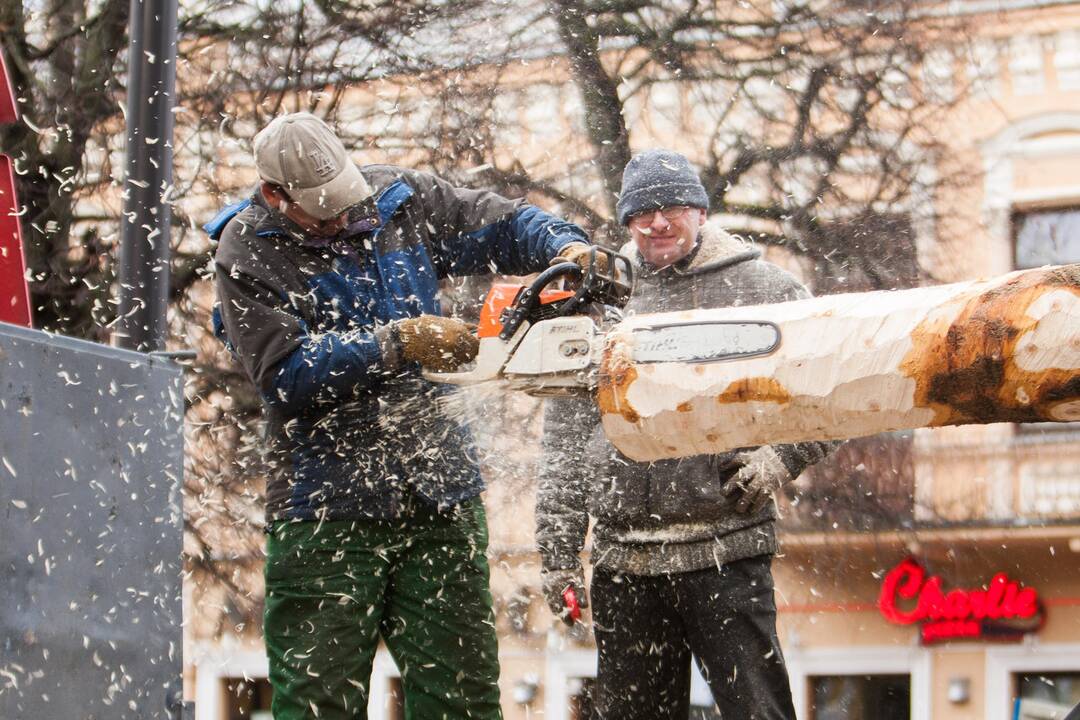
<point>716,249</point>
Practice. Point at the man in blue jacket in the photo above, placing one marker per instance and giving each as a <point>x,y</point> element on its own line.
<point>327,279</point>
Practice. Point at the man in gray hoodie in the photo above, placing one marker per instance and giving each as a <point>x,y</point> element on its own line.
<point>682,549</point>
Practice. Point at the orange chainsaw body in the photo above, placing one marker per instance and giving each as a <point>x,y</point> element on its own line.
<point>502,296</point>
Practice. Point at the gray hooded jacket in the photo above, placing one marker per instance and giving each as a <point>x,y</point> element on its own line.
<point>668,516</point>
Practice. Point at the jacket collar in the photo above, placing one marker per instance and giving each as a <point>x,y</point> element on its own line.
<point>715,249</point>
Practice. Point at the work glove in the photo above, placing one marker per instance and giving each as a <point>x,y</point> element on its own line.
<point>761,472</point>
<point>580,254</point>
<point>438,343</point>
<point>555,583</point>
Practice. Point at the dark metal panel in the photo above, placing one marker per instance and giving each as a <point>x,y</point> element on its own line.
<point>91,459</point>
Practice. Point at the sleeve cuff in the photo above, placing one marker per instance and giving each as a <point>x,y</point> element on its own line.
<point>564,241</point>
<point>792,460</point>
<point>390,346</point>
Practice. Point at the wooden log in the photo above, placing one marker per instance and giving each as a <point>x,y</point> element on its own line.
<point>1001,350</point>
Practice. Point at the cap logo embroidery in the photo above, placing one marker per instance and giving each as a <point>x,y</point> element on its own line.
<point>324,164</point>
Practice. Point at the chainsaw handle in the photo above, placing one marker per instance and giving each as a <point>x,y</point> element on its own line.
<point>529,299</point>
<point>612,286</point>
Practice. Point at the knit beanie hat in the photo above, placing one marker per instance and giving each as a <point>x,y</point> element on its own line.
<point>658,179</point>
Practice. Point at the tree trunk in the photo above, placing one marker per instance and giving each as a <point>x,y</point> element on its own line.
<point>1002,350</point>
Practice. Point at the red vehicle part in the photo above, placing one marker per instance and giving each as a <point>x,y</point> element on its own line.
<point>9,113</point>
<point>14,293</point>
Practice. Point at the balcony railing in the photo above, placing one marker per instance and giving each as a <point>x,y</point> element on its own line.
<point>962,479</point>
<point>868,484</point>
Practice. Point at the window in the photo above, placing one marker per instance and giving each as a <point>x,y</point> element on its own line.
<point>246,698</point>
<point>984,68</point>
<point>1046,696</point>
<point>860,697</point>
<point>1067,59</point>
<point>1021,681</point>
<point>1047,237</point>
<point>842,682</point>
<point>1050,489</point>
<point>571,687</point>
<point>581,697</point>
<point>937,73</point>
<point>1026,66</point>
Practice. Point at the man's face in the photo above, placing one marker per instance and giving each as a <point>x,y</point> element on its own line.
<point>276,197</point>
<point>666,236</point>
<point>311,224</point>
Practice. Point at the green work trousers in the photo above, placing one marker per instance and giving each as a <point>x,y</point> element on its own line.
<point>420,582</point>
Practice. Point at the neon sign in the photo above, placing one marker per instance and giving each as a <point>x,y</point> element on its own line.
<point>1003,610</point>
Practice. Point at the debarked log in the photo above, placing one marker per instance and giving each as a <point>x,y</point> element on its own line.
<point>1000,350</point>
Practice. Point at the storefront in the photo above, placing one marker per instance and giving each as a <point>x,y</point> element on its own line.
<point>971,626</point>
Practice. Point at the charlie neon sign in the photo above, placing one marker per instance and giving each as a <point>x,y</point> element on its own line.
<point>1002,610</point>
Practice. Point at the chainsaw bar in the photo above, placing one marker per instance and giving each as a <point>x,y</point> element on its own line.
<point>697,342</point>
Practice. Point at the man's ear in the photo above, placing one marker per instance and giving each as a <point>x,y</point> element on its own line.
<point>273,195</point>
<point>704,215</point>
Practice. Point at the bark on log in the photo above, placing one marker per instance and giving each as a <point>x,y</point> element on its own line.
<point>1001,350</point>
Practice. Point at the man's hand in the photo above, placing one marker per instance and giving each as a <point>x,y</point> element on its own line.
<point>581,255</point>
<point>438,343</point>
<point>556,582</point>
<point>761,473</point>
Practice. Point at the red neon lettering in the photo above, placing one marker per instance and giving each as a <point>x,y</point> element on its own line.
<point>1027,603</point>
<point>904,581</point>
<point>994,594</point>
<point>957,605</point>
<point>956,613</point>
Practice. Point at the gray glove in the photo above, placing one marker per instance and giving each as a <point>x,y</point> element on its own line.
<point>760,474</point>
<point>555,582</point>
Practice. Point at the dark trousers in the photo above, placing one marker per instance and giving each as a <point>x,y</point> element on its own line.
<point>648,627</point>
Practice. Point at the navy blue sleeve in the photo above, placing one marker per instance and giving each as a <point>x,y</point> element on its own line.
<point>329,367</point>
<point>291,366</point>
<point>523,243</point>
<point>475,232</point>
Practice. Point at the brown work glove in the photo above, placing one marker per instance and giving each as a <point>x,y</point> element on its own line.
<point>579,254</point>
<point>762,473</point>
<point>438,343</point>
<point>556,582</point>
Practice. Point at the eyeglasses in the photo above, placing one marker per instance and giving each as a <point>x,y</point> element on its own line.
<point>645,219</point>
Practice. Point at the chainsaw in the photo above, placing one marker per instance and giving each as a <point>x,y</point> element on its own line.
<point>545,341</point>
<point>834,367</point>
<point>539,338</point>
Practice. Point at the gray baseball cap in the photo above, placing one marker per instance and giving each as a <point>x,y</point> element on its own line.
<point>300,153</point>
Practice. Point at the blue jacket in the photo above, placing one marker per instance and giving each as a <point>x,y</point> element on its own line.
<point>354,431</point>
